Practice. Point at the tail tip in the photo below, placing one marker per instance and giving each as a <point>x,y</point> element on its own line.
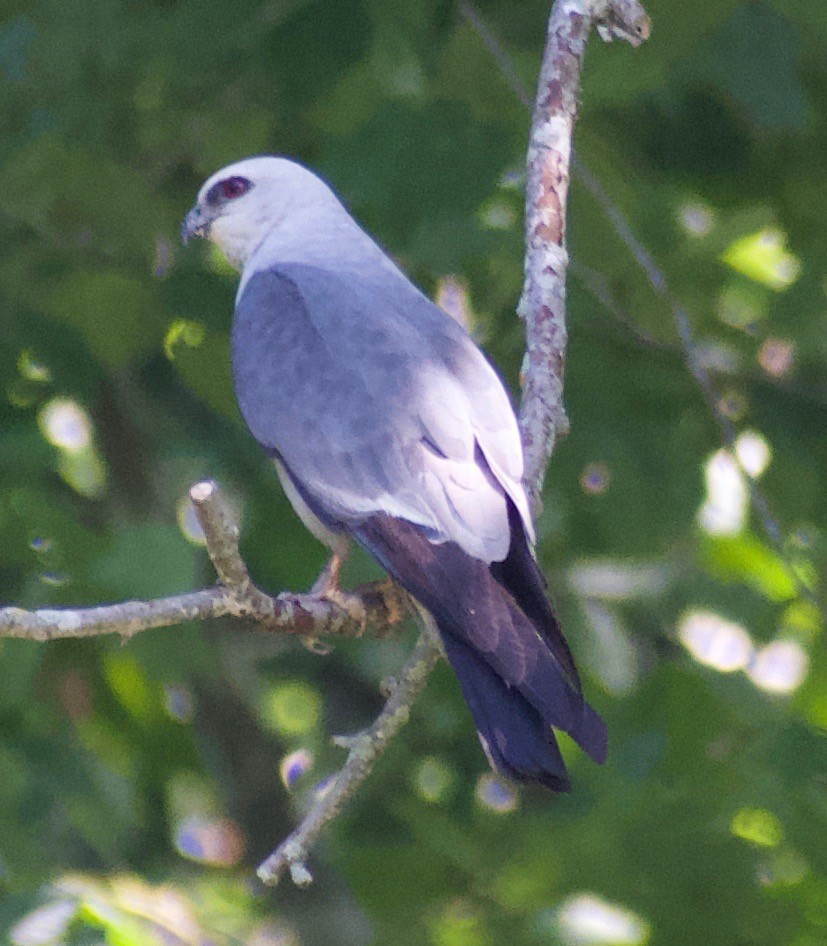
<point>593,736</point>
<point>545,767</point>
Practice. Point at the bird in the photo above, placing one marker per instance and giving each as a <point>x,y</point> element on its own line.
<point>390,428</point>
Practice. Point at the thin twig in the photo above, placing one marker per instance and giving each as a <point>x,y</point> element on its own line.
<point>495,47</point>
<point>683,325</point>
<point>365,749</point>
<point>597,285</point>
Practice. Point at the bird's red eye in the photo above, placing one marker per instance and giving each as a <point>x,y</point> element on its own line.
<point>234,187</point>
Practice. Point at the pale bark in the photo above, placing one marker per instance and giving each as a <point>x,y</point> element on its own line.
<point>543,303</point>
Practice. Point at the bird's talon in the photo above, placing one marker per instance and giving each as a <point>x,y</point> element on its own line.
<point>351,604</point>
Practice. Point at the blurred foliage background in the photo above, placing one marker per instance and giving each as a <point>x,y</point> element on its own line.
<point>139,784</point>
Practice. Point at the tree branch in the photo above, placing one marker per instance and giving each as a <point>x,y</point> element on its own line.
<point>543,302</point>
<point>637,30</point>
<point>365,748</point>
<point>126,618</point>
<point>378,604</point>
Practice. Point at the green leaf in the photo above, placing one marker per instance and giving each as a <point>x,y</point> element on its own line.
<point>745,558</point>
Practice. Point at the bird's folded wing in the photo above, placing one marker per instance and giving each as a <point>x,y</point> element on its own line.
<point>377,402</point>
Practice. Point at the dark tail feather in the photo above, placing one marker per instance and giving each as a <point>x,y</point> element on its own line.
<point>516,740</point>
<point>520,575</point>
<point>512,662</point>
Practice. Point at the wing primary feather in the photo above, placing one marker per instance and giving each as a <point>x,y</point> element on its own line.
<point>510,676</point>
<point>520,575</point>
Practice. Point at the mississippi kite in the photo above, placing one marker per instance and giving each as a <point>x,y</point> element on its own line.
<point>389,427</point>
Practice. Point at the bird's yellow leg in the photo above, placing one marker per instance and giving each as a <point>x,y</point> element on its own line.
<point>327,584</point>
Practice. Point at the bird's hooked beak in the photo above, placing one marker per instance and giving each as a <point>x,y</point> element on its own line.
<point>195,224</point>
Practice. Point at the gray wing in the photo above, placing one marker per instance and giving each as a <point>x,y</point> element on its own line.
<point>377,402</point>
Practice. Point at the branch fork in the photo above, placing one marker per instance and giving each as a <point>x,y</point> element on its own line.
<point>376,604</point>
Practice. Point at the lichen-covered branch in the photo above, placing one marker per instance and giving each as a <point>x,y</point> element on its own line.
<point>378,604</point>
<point>126,618</point>
<point>364,749</point>
<point>543,302</point>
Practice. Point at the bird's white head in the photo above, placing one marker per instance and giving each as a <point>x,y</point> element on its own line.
<point>242,203</point>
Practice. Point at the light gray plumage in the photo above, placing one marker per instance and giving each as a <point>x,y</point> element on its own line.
<point>387,423</point>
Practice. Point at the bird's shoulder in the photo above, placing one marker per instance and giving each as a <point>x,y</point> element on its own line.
<point>352,299</point>
<point>366,389</point>
<point>373,330</point>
